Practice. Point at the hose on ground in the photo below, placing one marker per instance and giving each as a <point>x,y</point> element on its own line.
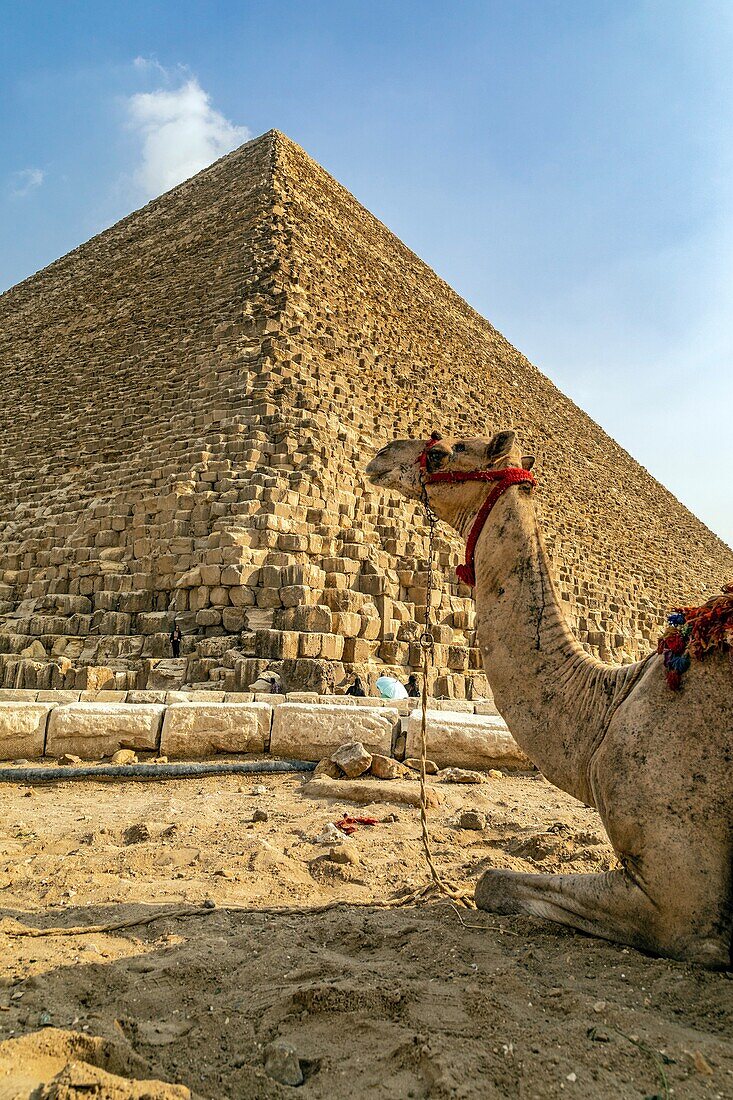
<point>153,771</point>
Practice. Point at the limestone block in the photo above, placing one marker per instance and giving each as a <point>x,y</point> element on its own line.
<point>233,619</point>
<point>455,706</point>
<point>316,619</point>
<point>276,644</point>
<point>353,759</point>
<point>307,732</point>
<point>242,597</point>
<point>465,740</point>
<point>309,645</point>
<point>104,696</point>
<point>138,697</point>
<point>22,729</point>
<point>194,697</point>
<point>202,729</point>
<point>371,791</point>
<point>91,730</point>
<point>485,706</point>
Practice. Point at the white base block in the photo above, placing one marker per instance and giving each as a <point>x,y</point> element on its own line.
<point>93,730</point>
<point>22,729</point>
<point>465,741</point>
<point>306,732</point>
<point>202,729</point>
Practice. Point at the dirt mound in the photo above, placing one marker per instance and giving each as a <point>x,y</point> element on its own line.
<point>69,1065</point>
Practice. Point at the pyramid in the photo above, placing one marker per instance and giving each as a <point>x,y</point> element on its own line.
<point>189,402</point>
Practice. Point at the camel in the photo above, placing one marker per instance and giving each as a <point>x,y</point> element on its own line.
<point>656,764</point>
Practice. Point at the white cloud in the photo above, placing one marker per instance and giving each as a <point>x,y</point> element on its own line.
<point>180,133</point>
<point>25,181</point>
<point>149,65</point>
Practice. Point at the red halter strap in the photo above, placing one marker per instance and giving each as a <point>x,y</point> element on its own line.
<point>422,458</point>
<point>504,479</point>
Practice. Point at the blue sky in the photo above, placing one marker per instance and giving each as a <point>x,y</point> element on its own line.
<point>567,165</point>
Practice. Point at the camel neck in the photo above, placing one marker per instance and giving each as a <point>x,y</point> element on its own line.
<point>556,699</point>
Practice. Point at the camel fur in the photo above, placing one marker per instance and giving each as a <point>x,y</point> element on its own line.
<point>656,764</point>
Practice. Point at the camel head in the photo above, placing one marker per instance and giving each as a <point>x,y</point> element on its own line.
<point>397,466</point>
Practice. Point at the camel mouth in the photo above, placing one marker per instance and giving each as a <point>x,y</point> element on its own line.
<point>376,470</point>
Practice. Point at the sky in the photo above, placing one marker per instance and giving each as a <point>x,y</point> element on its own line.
<point>566,165</point>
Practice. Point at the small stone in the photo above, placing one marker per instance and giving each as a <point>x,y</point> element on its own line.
<point>209,903</point>
<point>260,789</point>
<point>572,1078</point>
<point>342,854</point>
<point>330,835</point>
<point>160,760</point>
<point>472,819</point>
<point>353,759</point>
<point>260,815</point>
<point>68,759</point>
<point>701,1064</point>
<point>413,762</point>
<point>384,767</point>
<point>599,1006</point>
<point>21,761</point>
<point>460,775</point>
<point>124,756</point>
<point>137,833</point>
<point>494,773</point>
<point>327,768</point>
<point>282,1063</point>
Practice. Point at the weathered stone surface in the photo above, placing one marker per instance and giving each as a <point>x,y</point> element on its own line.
<point>124,756</point>
<point>465,740</point>
<point>413,763</point>
<point>352,758</point>
<point>384,767</point>
<point>201,729</point>
<point>282,1063</point>
<point>328,768</point>
<point>472,819</point>
<point>22,729</point>
<point>55,1064</point>
<point>462,775</point>
<point>365,791</point>
<point>99,729</point>
<point>311,732</point>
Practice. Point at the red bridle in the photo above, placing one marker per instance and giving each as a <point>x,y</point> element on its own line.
<point>503,480</point>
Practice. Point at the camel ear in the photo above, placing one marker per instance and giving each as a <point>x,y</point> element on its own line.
<point>499,445</point>
<point>527,462</point>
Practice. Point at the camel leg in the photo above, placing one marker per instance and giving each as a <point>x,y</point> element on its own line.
<point>608,905</point>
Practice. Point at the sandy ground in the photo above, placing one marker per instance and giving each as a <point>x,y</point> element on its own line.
<point>388,1003</point>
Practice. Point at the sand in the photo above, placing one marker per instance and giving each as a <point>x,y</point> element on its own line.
<point>405,1002</point>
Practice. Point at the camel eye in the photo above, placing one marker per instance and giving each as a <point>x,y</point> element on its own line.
<point>460,447</point>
